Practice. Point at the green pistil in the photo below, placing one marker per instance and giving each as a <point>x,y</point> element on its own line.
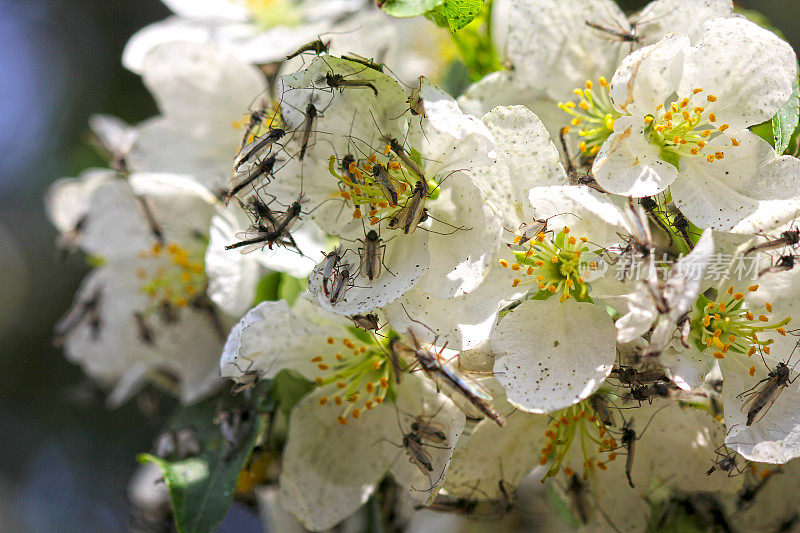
<point>727,325</point>
<point>594,113</point>
<point>555,267</point>
<point>560,436</point>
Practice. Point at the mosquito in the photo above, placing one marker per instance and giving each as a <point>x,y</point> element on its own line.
<point>725,461</point>
<point>247,177</point>
<point>364,61</point>
<point>340,283</point>
<point>328,267</point>
<point>398,150</point>
<point>339,81</point>
<point>413,212</point>
<point>783,264</point>
<point>318,47</point>
<point>790,237</point>
<point>431,363</point>
<point>368,322</point>
<point>371,256</point>
<point>89,310</point>
<point>760,397</point>
<point>270,234</point>
<point>308,122</point>
<point>248,154</point>
<point>386,183</point>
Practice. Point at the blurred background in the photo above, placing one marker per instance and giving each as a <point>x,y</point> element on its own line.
<point>64,458</point>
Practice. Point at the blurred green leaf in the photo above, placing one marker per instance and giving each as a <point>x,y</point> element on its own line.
<point>408,8</point>
<point>290,288</point>
<point>201,487</point>
<point>785,122</point>
<point>267,288</point>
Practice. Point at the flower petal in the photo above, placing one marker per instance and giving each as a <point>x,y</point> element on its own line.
<point>664,16</point>
<point>748,68</point>
<point>629,165</point>
<point>552,355</point>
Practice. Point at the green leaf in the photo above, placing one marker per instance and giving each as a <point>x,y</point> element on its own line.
<point>457,13</point>
<point>267,288</point>
<point>408,8</point>
<point>201,487</point>
<point>289,388</point>
<point>290,288</point>
<point>785,122</point>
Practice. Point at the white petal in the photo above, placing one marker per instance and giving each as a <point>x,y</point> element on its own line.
<point>526,159</point>
<point>552,355</point>
<point>417,397</point>
<point>232,277</point>
<point>493,454</point>
<point>229,9</point>
<point>748,68</point>
<point>275,517</point>
<point>629,165</point>
<point>664,16</point>
<point>639,318</point>
<point>460,258</point>
<point>678,448</point>
<point>585,211</point>
<point>329,469</point>
<point>687,368</point>
<point>647,77</point>
<point>272,337</point>
<point>748,190</point>
<point>453,140</point>
<point>463,322</point>
<point>116,135</point>
<point>550,44</point>
<point>406,256</point>
<point>68,199</point>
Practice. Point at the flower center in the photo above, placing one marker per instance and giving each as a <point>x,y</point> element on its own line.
<point>728,325</point>
<point>380,188</point>
<point>173,275</point>
<point>269,13</point>
<point>577,425</point>
<point>554,265</point>
<point>595,113</point>
<point>683,128</point>
<point>362,373</point>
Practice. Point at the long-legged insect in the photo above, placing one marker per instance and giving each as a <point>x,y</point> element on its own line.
<point>783,264</point>
<point>89,310</point>
<point>276,233</point>
<point>652,209</point>
<point>600,407</point>
<point>681,225</point>
<point>364,61</point>
<point>328,267</point>
<point>725,461</point>
<point>532,229</point>
<point>368,322</point>
<point>431,363</point>
<point>250,153</point>
<point>339,81</point>
<point>765,392</point>
<point>247,380</point>
<point>578,492</point>
<point>400,152</point>
<point>318,47</point>
<point>145,332</point>
<point>411,214</point>
<point>628,441</point>
<point>573,178</point>
<point>790,237</point>
<point>371,256</point>
<point>386,183</point>
<point>308,123</point>
<point>250,175</point>
<point>626,36</point>
<point>340,283</point>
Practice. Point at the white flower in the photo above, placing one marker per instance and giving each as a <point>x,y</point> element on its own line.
<point>553,49</point>
<point>144,310</point>
<point>557,348</point>
<point>666,301</point>
<point>345,436</point>
<point>254,31</point>
<point>202,93</point>
<point>685,124</point>
<point>354,184</point>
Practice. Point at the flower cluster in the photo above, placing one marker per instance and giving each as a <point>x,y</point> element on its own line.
<point>438,297</point>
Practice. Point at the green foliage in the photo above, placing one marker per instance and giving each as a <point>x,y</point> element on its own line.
<point>476,46</point>
<point>455,14</point>
<point>201,487</point>
<point>784,124</point>
<point>408,8</point>
<point>279,286</point>
<point>289,388</point>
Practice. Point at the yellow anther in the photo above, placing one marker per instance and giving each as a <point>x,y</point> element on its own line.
<point>554,259</point>
<point>695,91</point>
<point>572,240</point>
<point>337,400</point>
<point>319,381</point>
<point>341,385</point>
<point>724,127</point>
<point>763,318</point>
<point>356,413</point>
<point>603,81</point>
<point>504,263</point>
<point>516,282</point>
<point>393,165</point>
<point>583,105</point>
<point>564,130</point>
<point>712,117</point>
<point>781,331</point>
<point>323,400</point>
<point>552,288</point>
<point>538,263</point>
<point>329,340</point>
<point>734,142</point>
<point>752,288</point>
<point>575,121</point>
<point>685,103</point>
<point>719,155</point>
<point>706,133</point>
<point>515,266</point>
<point>384,383</point>
<point>369,387</point>
<point>323,366</point>
<point>376,365</point>
<point>698,110</point>
<point>648,119</point>
<point>710,158</point>
<point>316,359</point>
<point>739,296</point>
<point>694,151</point>
<point>609,123</point>
<point>342,420</point>
<point>719,355</point>
<point>768,306</point>
<point>582,146</point>
<point>529,271</point>
<point>577,92</point>
<point>749,316</point>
